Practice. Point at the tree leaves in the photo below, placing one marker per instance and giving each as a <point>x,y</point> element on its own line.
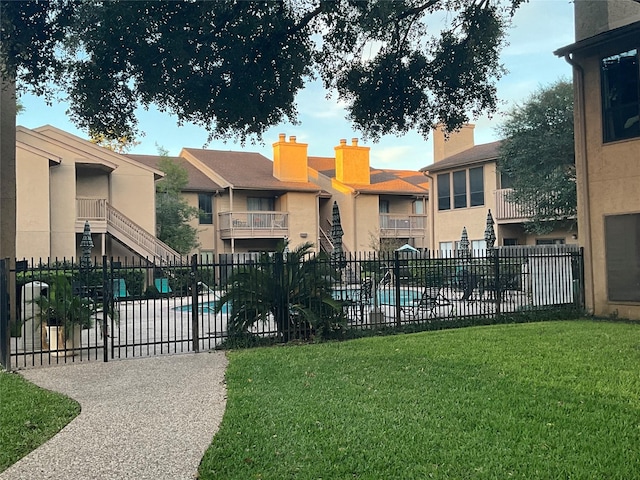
<point>538,154</point>
<point>235,67</point>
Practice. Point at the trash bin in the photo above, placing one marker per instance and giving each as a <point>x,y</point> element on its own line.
<point>32,329</point>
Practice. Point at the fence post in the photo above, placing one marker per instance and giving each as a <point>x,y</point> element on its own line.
<point>498,282</point>
<point>107,307</point>
<point>5,335</point>
<point>396,274</point>
<point>195,325</point>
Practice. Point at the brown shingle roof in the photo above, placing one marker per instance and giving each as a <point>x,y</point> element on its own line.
<point>246,170</point>
<point>198,181</point>
<point>479,154</point>
<point>403,182</point>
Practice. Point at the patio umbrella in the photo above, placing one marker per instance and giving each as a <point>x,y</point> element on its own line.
<point>407,248</point>
<point>86,244</point>
<point>464,243</point>
<point>337,255</point>
<point>489,233</point>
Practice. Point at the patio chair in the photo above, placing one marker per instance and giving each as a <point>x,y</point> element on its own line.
<point>162,284</point>
<point>431,300</point>
<point>119,289</point>
<point>366,294</point>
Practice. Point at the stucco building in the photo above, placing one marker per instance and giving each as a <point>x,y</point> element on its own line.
<point>466,184</point>
<point>606,70</point>
<point>63,181</point>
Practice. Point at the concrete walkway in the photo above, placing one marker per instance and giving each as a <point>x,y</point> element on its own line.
<point>148,418</point>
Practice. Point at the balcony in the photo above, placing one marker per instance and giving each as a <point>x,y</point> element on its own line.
<point>508,212</point>
<point>253,225</point>
<point>402,226</point>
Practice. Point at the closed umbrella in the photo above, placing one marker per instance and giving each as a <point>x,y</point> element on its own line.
<point>489,233</point>
<point>86,244</point>
<point>337,255</point>
<point>464,243</point>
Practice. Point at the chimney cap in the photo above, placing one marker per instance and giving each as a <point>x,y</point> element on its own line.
<point>354,142</point>
<point>292,138</point>
<point>282,137</point>
<point>343,141</point>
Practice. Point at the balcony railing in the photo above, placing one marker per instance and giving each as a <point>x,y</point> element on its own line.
<point>104,218</point>
<point>507,211</point>
<point>253,224</point>
<point>402,226</point>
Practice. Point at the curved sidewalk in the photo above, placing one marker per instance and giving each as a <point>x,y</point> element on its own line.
<point>147,418</point>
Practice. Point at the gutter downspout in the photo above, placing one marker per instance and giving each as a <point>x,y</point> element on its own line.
<point>581,155</point>
<point>233,236</point>
<point>355,226</point>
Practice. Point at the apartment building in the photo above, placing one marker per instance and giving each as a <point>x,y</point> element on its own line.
<point>467,185</point>
<point>62,181</point>
<point>378,207</point>
<point>606,61</point>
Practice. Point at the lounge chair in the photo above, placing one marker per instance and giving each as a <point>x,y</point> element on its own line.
<point>431,300</point>
<point>162,284</point>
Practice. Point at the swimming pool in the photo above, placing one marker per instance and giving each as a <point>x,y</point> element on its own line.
<point>204,307</point>
<point>386,296</point>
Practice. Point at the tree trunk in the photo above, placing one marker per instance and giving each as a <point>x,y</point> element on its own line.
<point>8,182</point>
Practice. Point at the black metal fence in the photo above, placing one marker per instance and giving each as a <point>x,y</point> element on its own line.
<point>118,308</point>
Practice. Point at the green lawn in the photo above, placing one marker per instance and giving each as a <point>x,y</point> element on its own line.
<point>539,400</point>
<point>29,416</point>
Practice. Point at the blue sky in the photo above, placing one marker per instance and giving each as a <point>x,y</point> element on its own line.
<point>539,27</point>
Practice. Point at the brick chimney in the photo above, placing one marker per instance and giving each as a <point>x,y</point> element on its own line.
<point>352,163</point>
<point>457,142</point>
<point>290,160</point>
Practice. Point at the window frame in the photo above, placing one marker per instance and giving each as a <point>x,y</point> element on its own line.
<point>613,113</point>
<point>479,194</point>
<point>444,197</point>
<point>460,190</point>
<point>205,215</point>
<point>621,241</point>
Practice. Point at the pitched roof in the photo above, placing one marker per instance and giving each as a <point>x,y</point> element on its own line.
<point>486,152</point>
<point>246,170</point>
<point>198,181</point>
<point>385,181</point>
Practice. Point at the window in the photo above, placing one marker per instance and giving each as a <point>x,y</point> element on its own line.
<point>464,194</point>
<point>478,247</point>
<point>418,207</point>
<point>384,206</point>
<point>446,249</point>
<point>206,209</point>
<point>506,180</point>
<point>444,192</point>
<point>622,256</point>
<point>260,204</point>
<point>620,96</point>
<point>476,186</point>
<point>510,242</point>
<point>550,241</point>
<point>460,189</point>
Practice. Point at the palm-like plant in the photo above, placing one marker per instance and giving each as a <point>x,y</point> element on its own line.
<point>60,307</point>
<point>293,288</point>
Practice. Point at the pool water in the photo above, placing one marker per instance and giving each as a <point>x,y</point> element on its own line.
<point>386,296</point>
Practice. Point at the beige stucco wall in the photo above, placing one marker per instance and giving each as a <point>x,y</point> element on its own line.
<point>303,217</point>
<point>610,182</point>
<point>448,224</point>
<point>32,205</point>
<point>597,16</point>
<point>206,233</point>
<point>129,188</point>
